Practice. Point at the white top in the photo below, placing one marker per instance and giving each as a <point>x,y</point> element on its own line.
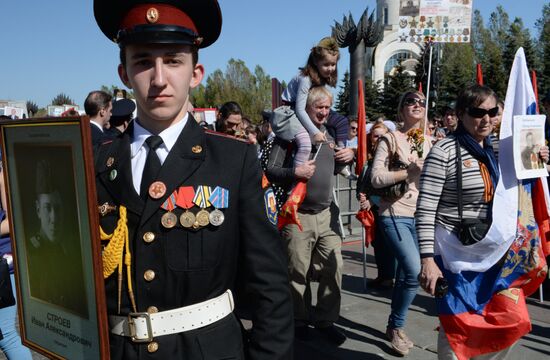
<point>139,150</point>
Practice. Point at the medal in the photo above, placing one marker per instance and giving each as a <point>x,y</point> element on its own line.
<point>203,218</point>
<point>157,190</point>
<point>187,219</point>
<point>216,217</point>
<point>220,200</point>
<point>202,194</point>
<point>169,219</point>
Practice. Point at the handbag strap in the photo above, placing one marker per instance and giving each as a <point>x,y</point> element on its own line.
<point>459,179</point>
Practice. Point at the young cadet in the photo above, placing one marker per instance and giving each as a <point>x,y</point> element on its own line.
<point>190,202</point>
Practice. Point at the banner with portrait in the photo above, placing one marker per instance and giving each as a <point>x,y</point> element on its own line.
<point>528,139</point>
<point>447,21</point>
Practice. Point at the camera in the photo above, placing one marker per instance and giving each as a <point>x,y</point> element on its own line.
<point>441,288</point>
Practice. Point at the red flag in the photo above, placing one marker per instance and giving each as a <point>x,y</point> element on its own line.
<point>535,88</point>
<point>420,88</point>
<point>479,75</point>
<point>366,217</point>
<point>361,131</point>
<point>289,210</point>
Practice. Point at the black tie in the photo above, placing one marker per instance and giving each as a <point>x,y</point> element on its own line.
<point>152,165</point>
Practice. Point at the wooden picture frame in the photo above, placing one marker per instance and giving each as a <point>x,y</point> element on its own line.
<point>50,183</point>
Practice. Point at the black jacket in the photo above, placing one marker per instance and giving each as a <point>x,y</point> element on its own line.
<point>244,254</point>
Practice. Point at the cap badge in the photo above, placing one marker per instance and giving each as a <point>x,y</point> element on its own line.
<point>152,15</point>
<point>196,149</point>
<point>198,41</point>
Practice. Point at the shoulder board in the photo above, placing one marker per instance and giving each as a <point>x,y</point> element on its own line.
<point>216,133</point>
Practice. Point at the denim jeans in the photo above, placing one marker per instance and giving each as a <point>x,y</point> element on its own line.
<point>400,234</point>
<point>383,255</point>
<point>11,344</point>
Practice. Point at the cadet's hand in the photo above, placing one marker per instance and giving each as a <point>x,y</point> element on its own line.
<point>319,138</point>
<point>429,273</point>
<point>305,171</point>
<point>544,154</point>
<point>344,155</point>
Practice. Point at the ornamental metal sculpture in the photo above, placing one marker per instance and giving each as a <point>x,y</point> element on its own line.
<point>369,32</point>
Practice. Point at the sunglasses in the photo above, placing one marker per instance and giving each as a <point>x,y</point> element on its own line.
<point>353,127</point>
<point>479,112</point>
<point>415,101</point>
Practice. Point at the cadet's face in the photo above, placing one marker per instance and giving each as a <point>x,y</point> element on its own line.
<point>161,76</point>
<point>48,210</point>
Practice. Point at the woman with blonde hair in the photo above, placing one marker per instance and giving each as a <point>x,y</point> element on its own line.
<point>398,161</point>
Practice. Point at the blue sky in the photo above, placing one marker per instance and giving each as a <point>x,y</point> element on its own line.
<point>53,46</point>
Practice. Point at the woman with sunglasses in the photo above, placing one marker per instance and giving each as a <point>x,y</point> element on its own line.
<point>455,189</point>
<point>396,216</point>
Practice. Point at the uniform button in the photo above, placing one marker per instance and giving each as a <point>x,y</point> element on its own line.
<point>153,346</point>
<point>149,275</point>
<point>149,237</point>
<point>152,309</point>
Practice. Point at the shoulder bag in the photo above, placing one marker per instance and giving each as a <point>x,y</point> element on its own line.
<point>397,190</point>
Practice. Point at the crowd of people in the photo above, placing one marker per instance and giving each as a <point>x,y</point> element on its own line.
<point>235,220</point>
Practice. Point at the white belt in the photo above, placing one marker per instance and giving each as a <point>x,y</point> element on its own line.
<point>143,327</point>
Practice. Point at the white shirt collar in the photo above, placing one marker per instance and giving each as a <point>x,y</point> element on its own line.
<point>169,136</point>
<point>96,124</point>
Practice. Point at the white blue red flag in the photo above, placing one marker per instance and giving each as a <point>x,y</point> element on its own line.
<point>484,310</point>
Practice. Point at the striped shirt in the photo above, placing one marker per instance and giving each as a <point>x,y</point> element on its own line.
<point>437,200</point>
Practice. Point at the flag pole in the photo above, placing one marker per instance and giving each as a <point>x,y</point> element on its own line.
<point>430,44</point>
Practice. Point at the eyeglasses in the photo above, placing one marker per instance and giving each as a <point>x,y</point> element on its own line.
<point>479,112</point>
<point>353,127</point>
<point>415,101</point>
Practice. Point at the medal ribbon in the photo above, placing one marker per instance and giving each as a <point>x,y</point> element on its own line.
<point>202,194</point>
<point>185,197</point>
<point>170,203</point>
<point>220,198</point>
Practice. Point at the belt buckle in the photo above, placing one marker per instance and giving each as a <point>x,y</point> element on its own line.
<point>132,327</point>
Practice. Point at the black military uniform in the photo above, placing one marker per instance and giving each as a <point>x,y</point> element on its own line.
<point>175,266</point>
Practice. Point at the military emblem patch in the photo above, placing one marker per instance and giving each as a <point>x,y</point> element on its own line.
<point>270,205</point>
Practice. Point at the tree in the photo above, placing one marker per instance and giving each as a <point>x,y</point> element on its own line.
<point>516,37</point>
<point>543,46</point>
<point>499,23</point>
<point>372,99</point>
<point>62,99</point>
<point>32,108</point>
<point>394,85</point>
<point>342,99</point>
<point>456,71</point>
<point>112,89</point>
<point>252,91</point>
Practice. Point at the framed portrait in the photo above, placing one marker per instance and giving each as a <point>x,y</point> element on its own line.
<point>528,139</point>
<point>49,176</point>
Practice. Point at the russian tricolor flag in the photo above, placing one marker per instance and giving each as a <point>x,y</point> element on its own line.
<point>485,310</point>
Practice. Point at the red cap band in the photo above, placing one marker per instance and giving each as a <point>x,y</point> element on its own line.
<point>157,14</point>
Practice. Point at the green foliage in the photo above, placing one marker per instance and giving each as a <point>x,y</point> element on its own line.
<point>543,53</point>
<point>111,90</point>
<point>32,108</point>
<point>372,99</point>
<point>456,72</point>
<point>62,99</point>
<point>252,91</point>
<point>394,85</point>
<point>342,99</point>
